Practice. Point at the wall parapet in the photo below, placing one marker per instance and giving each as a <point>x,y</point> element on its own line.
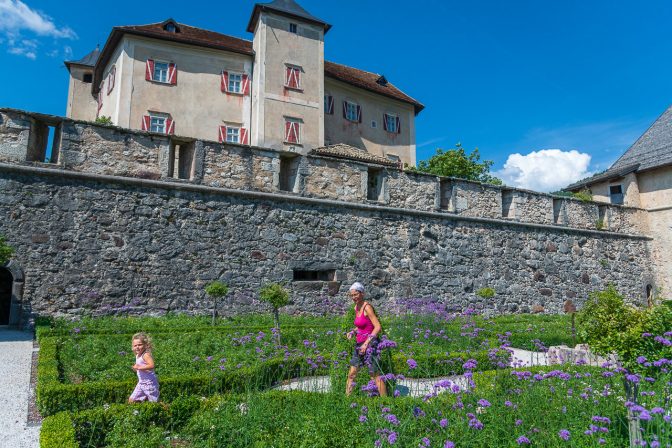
<point>104,152</point>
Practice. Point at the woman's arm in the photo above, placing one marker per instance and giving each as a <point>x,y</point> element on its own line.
<point>371,314</point>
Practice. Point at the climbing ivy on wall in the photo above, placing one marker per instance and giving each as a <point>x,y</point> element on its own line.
<point>6,251</point>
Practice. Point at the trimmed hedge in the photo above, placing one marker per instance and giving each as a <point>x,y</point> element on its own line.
<point>58,431</point>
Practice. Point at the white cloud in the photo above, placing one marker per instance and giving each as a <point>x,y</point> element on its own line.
<point>16,16</point>
<point>17,19</point>
<point>544,170</point>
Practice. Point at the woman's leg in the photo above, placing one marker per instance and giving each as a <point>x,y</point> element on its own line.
<point>349,384</point>
<point>382,390</point>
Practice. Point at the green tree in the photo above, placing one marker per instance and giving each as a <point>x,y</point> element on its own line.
<point>277,296</point>
<point>216,290</point>
<point>457,163</point>
<point>6,251</point>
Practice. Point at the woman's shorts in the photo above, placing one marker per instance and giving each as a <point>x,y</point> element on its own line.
<point>370,360</point>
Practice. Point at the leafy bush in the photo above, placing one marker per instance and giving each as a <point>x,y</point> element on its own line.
<point>58,431</point>
<point>6,251</point>
<point>583,195</point>
<point>486,293</point>
<point>216,290</point>
<point>103,120</point>
<point>277,296</point>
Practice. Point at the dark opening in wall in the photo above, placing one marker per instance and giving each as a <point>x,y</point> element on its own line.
<point>6,282</point>
<point>446,201</point>
<point>181,160</point>
<point>44,141</point>
<point>601,217</point>
<point>508,204</point>
<point>327,275</point>
<point>375,184</point>
<point>649,296</point>
<point>87,78</point>
<point>557,211</point>
<point>616,194</point>
<point>289,169</point>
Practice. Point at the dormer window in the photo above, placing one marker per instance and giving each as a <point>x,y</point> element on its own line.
<point>170,27</point>
<point>293,28</point>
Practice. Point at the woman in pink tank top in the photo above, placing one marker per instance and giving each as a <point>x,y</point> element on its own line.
<point>367,329</point>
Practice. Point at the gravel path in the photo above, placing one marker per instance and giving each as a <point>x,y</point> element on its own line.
<point>16,349</point>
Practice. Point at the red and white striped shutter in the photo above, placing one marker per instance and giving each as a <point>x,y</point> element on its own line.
<point>172,73</point>
<point>398,125</point>
<point>288,77</point>
<point>297,78</point>
<point>222,134</point>
<point>170,126</point>
<point>243,136</point>
<point>225,81</point>
<point>246,84</point>
<point>295,132</point>
<point>385,122</point>
<point>145,122</point>
<point>149,70</point>
<point>359,113</point>
<point>288,130</point>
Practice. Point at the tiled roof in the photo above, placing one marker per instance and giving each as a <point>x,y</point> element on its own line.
<point>343,151</point>
<point>88,60</point>
<point>652,150</point>
<point>368,81</point>
<point>286,8</point>
<point>204,38</point>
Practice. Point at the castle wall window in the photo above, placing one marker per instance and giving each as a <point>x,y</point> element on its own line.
<point>293,28</point>
<point>391,123</point>
<point>616,194</point>
<point>293,77</point>
<point>87,78</point>
<point>352,111</point>
<point>238,83</point>
<point>328,104</point>
<point>233,134</point>
<point>292,130</point>
<point>159,71</point>
<point>159,123</point>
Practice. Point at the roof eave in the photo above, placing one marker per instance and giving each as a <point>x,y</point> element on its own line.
<point>418,107</point>
<point>251,25</point>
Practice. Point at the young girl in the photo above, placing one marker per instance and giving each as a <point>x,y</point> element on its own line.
<point>148,385</point>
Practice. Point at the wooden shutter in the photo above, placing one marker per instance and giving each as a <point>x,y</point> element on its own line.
<point>345,109</point>
<point>329,105</point>
<point>111,76</point>
<point>288,130</point>
<point>172,73</point>
<point>385,122</point>
<point>170,126</point>
<point>246,85</point>
<point>222,134</point>
<point>149,70</point>
<point>359,113</point>
<point>295,132</point>
<point>398,125</point>
<point>145,122</point>
<point>243,136</point>
<point>225,81</point>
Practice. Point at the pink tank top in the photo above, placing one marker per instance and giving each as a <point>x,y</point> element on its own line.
<point>364,326</point>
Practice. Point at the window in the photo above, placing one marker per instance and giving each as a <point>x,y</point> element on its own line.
<point>374,125</point>
<point>292,130</point>
<point>235,82</point>
<point>163,72</point>
<point>233,134</point>
<point>293,77</point>
<point>293,28</point>
<point>375,184</point>
<point>352,112</point>
<point>157,124</point>
<point>616,194</point>
<point>160,72</point>
<point>170,27</point>
<point>326,275</point>
<point>289,169</point>
<point>391,123</point>
<point>88,78</point>
<point>328,104</point>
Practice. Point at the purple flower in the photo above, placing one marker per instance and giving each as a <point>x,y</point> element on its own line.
<point>563,434</point>
<point>470,364</point>
<point>443,422</point>
<point>417,412</point>
<point>508,404</point>
<point>641,359</point>
<point>392,419</point>
<point>449,444</point>
<point>411,363</point>
<point>392,438</point>
<point>362,418</point>
<point>632,378</point>
<point>425,441</point>
<point>522,440</point>
<point>519,422</point>
<point>657,411</point>
<point>483,402</point>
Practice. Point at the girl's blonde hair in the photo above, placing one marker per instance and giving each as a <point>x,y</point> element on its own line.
<point>145,339</point>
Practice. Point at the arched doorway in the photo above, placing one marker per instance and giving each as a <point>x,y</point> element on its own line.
<point>6,287</point>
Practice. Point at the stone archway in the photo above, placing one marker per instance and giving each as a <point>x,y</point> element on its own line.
<point>11,294</point>
<point>6,286</point>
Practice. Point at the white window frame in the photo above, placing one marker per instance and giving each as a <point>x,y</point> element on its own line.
<point>391,122</point>
<point>351,111</point>
<point>159,72</point>
<point>160,128</point>
<point>239,82</point>
<point>299,81</point>
<point>233,134</point>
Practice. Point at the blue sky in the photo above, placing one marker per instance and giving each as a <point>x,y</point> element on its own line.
<point>514,77</point>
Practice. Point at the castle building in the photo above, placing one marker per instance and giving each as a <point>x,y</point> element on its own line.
<point>275,91</point>
<point>642,178</point>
